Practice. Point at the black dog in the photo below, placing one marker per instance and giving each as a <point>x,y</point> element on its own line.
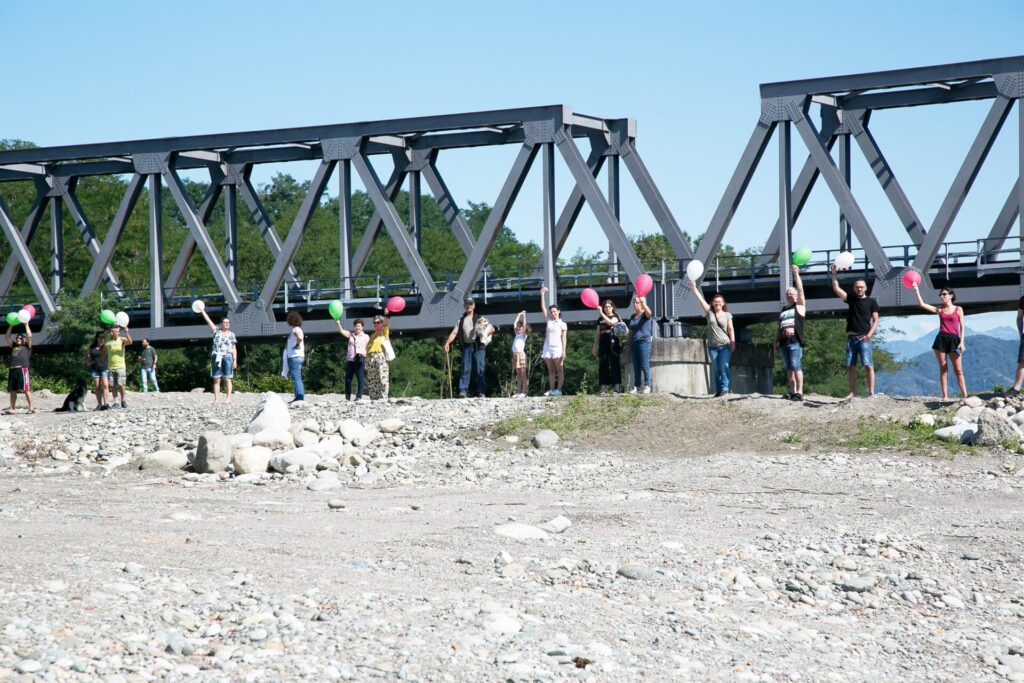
<point>75,400</point>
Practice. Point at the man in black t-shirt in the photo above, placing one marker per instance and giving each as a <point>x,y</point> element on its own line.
<point>861,323</point>
<point>17,367</point>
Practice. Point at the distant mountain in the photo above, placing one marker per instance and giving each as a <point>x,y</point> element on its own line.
<point>908,349</point>
<point>1004,332</point>
<point>988,361</point>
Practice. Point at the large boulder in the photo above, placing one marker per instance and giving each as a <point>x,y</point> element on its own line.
<point>251,459</point>
<point>958,432</point>
<point>274,439</point>
<point>545,439</point>
<point>164,460</point>
<point>995,429</point>
<point>302,458</point>
<point>213,453</point>
<point>967,413</point>
<point>271,413</point>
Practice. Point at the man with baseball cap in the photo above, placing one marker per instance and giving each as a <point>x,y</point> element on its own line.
<point>473,351</point>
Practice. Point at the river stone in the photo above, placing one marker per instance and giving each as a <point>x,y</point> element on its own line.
<point>859,584</point>
<point>350,429</point>
<point>324,484</point>
<point>164,460</point>
<point>331,447</point>
<point>365,437</point>
<point>961,432</point>
<point>251,459</point>
<point>521,532</point>
<point>556,525</point>
<point>390,425</point>
<point>240,440</point>
<point>973,402</point>
<point>1018,419</point>
<point>995,429</point>
<point>306,438</point>
<point>213,453</point>
<point>545,439</point>
<point>637,572</point>
<point>967,413</point>
<point>302,458</point>
<point>274,439</point>
<point>271,413</point>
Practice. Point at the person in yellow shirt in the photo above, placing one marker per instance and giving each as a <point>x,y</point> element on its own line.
<point>378,378</point>
<point>117,372</point>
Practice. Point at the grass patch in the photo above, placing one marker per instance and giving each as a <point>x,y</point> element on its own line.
<point>579,413</point>
<point>914,438</point>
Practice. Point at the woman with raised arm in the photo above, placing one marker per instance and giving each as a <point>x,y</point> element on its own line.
<point>607,349</point>
<point>223,356</point>
<point>721,337</point>
<point>96,359</point>
<point>949,342</point>
<point>641,337</point>
<point>522,332</point>
<point>553,352</point>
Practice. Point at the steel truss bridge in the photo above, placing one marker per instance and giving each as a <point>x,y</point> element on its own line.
<point>988,272</point>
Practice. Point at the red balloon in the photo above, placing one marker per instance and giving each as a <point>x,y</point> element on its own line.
<point>30,308</point>
<point>911,278</point>
<point>589,298</point>
<point>396,304</point>
<point>643,285</point>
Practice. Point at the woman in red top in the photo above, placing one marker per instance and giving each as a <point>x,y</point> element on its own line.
<point>950,340</point>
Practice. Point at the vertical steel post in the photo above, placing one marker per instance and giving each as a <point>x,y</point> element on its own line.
<point>56,245</point>
<point>231,232</point>
<point>1020,184</point>
<point>549,221</point>
<point>614,201</point>
<point>156,253</point>
<point>785,207</point>
<point>845,233</point>
<point>345,227</point>
<point>415,215</point>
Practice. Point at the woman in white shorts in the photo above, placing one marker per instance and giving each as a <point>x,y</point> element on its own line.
<point>553,352</point>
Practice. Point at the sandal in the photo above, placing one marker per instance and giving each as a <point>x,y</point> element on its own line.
<point>8,411</point>
<point>31,411</point>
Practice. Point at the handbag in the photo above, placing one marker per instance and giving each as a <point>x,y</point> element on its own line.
<point>389,350</point>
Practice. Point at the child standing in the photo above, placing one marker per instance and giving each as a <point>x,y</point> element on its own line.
<point>522,331</point>
<point>355,359</point>
<point>554,345</point>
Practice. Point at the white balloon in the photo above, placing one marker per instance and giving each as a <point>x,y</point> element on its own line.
<point>198,306</point>
<point>122,319</point>
<point>844,260</point>
<point>24,316</point>
<point>694,269</point>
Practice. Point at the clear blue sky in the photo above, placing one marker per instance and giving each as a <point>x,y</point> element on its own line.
<point>91,72</point>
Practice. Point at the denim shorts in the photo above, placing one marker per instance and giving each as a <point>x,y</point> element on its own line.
<point>98,374</point>
<point>791,356</point>
<point>223,368</point>
<point>858,347</point>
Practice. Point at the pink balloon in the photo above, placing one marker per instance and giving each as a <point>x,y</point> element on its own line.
<point>396,304</point>
<point>643,285</point>
<point>31,310</point>
<point>589,298</point>
<point>911,278</point>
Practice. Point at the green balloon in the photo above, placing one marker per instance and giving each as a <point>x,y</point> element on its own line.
<point>107,317</point>
<point>801,256</point>
<point>336,310</point>
<point>12,318</point>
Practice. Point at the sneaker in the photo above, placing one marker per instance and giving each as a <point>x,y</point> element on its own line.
<point>556,392</point>
<point>549,392</point>
<point>124,404</point>
<point>1014,393</point>
<point>647,390</point>
<point>463,394</point>
<point>718,394</point>
<point>602,392</point>
<point>632,392</point>
<point>115,404</point>
<point>104,407</point>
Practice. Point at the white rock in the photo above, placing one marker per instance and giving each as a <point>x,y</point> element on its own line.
<point>390,425</point>
<point>274,439</point>
<point>271,413</point>
<point>251,459</point>
<point>240,440</point>
<point>306,438</point>
<point>925,419</point>
<point>521,532</point>
<point>331,447</point>
<point>545,439</point>
<point>213,453</point>
<point>502,625</point>
<point>301,458</point>
<point>973,402</point>
<point>164,460</point>
<point>323,484</point>
<point>962,432</point>
<point>365,437</point>
<point>349,429</point>
<point>556,525</point>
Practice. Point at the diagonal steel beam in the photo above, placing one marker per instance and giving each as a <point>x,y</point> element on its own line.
<point>841,191</point>
<point>655,202</point>
<point>887,179</point>
<point>294,238</point>
<point>396,228</point>
<point>449,207</point>
<point>1004,221</point>
<point>188,247</point>
<point>198,229</point>
<point>752,153</point>
<point>124,210</point>
<point>496,218</point>
<point>585,182</point>
<point>35,215</point>
<point>28,266</point>
<point>962,183</point>
<point>394,187</point>
<point>89,237</point>
<point>263,223</point>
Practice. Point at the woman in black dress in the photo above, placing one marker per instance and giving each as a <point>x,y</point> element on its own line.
<point>607,349</point>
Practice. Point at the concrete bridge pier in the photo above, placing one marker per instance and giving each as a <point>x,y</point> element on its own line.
<point>681,366</point>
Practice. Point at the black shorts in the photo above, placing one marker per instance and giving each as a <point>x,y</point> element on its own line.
<point>17,380</point>
<point>946,343</point>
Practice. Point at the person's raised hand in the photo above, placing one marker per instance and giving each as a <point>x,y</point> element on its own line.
<point>543,290</point>
<point>795,268</point>
<point>832,269</point>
